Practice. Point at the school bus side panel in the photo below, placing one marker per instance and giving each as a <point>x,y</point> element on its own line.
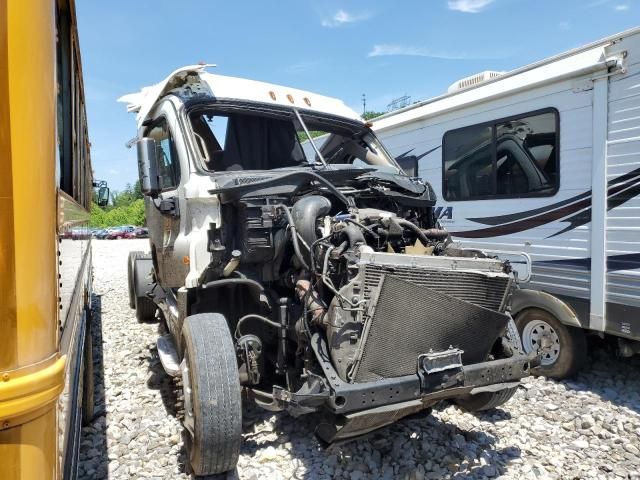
<point>30,370</point>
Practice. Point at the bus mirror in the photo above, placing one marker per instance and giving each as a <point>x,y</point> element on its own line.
<point>147,168</point>
<point>103,196</point>
<point>409,165</point>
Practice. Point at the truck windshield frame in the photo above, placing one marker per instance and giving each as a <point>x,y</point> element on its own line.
<point>343,139</point>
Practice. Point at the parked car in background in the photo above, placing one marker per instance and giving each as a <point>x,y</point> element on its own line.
<point>120,232</point>
<point>139,232</point>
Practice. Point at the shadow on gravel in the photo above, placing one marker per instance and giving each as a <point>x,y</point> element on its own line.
<point>494,416</point>
<point>610,377</point>
<point>161,381</point>
<point>93,443</point>
<point>396,451</point>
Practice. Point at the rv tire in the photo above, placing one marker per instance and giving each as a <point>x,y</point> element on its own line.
<point>565,347</point>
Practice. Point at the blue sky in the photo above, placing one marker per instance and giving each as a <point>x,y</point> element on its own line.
<point>337,48</point>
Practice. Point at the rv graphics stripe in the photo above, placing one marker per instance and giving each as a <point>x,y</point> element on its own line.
<point>575,210</point>
<point>626,261</point>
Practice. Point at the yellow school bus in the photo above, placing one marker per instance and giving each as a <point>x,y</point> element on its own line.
<point>46,379</point>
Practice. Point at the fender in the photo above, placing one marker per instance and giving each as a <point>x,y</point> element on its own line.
<point>525,298</point>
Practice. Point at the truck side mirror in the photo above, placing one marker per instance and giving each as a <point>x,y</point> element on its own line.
<point>147,167</point>
<point>103,196</point>
<point>409,165</point>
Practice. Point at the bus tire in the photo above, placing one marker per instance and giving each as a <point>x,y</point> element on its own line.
<point>88,398</point>
<point>132,289</point>
<point>564,348</point>
<point>485,400</point>
<point>212,395</point>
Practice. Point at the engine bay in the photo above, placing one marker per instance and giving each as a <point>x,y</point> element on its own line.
<point>309,252</point>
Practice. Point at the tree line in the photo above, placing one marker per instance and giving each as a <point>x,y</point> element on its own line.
<point>126,208</point>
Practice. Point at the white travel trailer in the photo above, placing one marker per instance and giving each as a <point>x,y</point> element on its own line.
<point>545,159</point>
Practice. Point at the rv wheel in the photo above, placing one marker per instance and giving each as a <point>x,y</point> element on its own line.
<point>212,414</point>
<point>563,348</point>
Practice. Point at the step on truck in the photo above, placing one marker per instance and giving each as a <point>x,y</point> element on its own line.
<point>300,268</point>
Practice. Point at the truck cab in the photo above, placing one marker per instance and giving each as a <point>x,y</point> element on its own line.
<point>299,268</point>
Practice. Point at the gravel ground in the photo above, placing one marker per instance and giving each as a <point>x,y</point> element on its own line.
<point>585,428</point>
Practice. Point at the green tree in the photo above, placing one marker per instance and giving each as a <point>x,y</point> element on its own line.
<point>127,208</point>
<point>370,115</point>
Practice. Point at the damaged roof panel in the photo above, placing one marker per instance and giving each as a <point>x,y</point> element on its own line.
<point>195,78</point>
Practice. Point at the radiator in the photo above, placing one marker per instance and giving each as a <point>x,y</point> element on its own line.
<point>417,305</point>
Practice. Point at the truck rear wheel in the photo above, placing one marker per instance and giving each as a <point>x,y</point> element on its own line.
<point>212,395</point>
<point>132,289</point>
<point>140,267</point>
<point>563,348</point>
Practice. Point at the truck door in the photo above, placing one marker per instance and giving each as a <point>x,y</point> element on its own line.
<point>163,213</point>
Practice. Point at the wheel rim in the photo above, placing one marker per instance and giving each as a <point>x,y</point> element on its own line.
<point>188,420</point>
<point>539,336</point>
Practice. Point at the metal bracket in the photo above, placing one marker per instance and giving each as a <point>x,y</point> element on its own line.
<point>169,206</point>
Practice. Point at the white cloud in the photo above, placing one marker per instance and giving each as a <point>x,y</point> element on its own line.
<point>113,172</point>
<point>469,6</point>
<point>621,8</point>
<point>302,67</point>
<point>408,50</point>
<point>342,17</point>
<point>564,26</point>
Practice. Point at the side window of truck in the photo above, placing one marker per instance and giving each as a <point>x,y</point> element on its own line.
<point>514,157</point>
<point>166,154</point>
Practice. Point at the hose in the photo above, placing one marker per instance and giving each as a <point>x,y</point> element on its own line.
<point>436,233</point>
<point>225,282</point>
<point>294,235</point>
<point>412,226</point>
<point>366,229</point>
<point>306,211</point>
<point>354,234</point>
<point>257,317</point>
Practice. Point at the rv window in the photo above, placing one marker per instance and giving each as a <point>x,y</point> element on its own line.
<point>511,158</point>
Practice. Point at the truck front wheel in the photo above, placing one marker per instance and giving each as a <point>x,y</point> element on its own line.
<point>563,349</point>
<point>486,400</point>
<point>212,395</point>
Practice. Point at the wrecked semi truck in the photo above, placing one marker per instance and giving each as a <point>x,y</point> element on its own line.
<point>299,267</point>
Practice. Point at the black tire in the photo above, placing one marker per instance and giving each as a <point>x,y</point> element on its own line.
<point>571,344</point>
<point>145,307</point>
<point>88,399</point>
<point>214,446</point>
<point>132,293</point>
<point>486,400</point>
